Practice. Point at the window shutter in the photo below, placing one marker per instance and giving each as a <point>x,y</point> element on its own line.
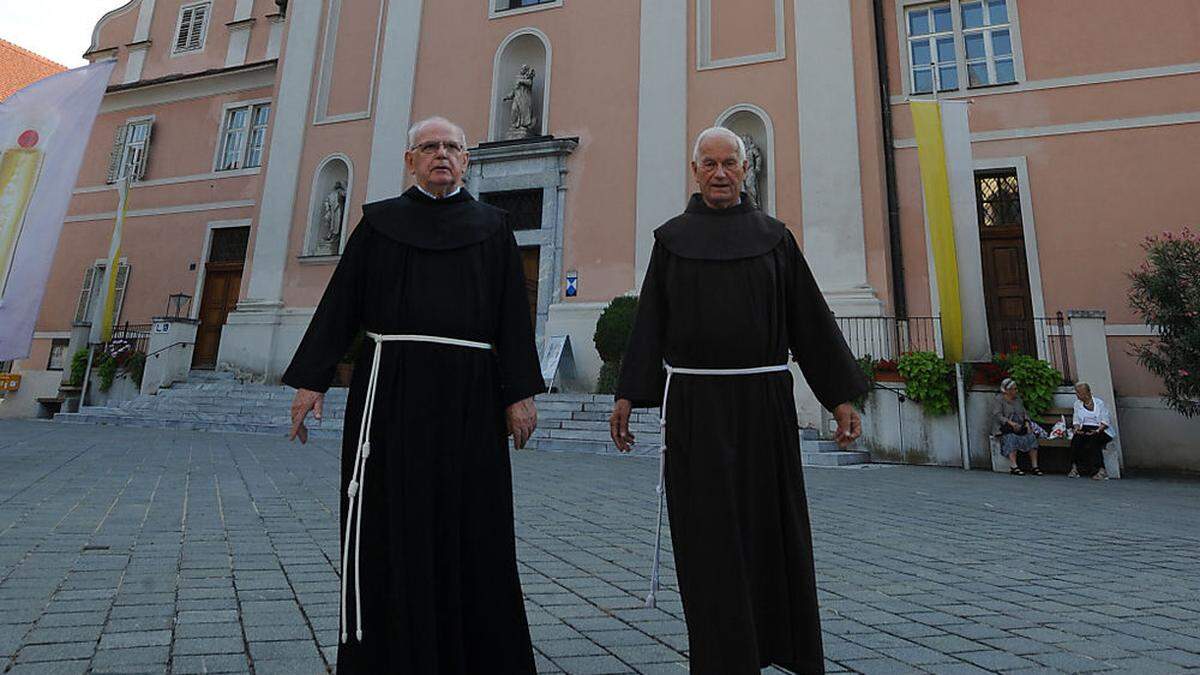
<point>139,167</point>
<point>122,282</point>
<point>185,27</point>
<point>85,295</point>
<point>114,156</point>
<point>199,18</point>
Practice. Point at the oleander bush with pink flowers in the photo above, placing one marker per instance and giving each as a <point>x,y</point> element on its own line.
<point>1166,293</point>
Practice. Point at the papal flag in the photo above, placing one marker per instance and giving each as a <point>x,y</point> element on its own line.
<point>44,130</point>
<point>948,183</point>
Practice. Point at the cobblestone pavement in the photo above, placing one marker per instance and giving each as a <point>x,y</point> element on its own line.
<point>138,550</point>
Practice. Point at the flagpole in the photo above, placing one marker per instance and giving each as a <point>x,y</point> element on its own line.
<point>86,374</point>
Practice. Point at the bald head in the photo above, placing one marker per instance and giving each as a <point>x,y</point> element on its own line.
<point>437,155</point>
<point>719,135</point>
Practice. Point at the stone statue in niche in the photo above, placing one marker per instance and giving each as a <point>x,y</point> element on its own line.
<point>330,231</point>
<point>754,160</point>
<point>523,122</point>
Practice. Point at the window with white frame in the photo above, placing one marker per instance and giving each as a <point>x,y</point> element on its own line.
<point>92,289</point>
<point>130,150</point>
<point>960,43</point>
<point>243,136</point>
<point>987,41</point>
<point>192,27</point>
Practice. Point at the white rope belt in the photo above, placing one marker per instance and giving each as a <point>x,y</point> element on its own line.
<point>652,598</point>
<point>358,478</point>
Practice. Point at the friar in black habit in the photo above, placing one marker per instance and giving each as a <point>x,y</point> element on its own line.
<point>727,295</point>
<point>447,371</point>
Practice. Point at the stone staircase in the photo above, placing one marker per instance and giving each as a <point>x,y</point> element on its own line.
<point>211,401</point>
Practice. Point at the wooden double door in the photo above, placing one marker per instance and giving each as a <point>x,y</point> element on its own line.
<point>219,293</point>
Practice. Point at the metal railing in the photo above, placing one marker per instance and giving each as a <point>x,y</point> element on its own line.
<point>1046,337</point>
<point>885,337</point>
<point>129,337</point>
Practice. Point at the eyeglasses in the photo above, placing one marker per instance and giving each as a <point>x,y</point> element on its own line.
<point>432,147</point>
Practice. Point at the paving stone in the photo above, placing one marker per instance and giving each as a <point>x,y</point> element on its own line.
<point>902,585</point>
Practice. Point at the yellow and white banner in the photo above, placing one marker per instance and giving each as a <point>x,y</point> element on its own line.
<point>948,181</point>
<point>44,130</point>
<point>102,325</point>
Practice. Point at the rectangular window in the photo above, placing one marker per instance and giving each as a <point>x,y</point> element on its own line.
<point>192,27</point>
<point>524,207</point>
<point>131,149</point>
<point>505,5</point>
<point>931,50</point>
<point>960,43</point>
<point>92,289</point>
<point>243,137</point>
<point>58,354</point>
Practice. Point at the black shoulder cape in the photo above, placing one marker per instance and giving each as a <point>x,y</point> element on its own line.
<point>704,233</point>
<point>415,219</point>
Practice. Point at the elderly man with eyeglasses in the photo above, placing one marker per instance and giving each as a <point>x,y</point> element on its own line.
<point>447,370</point>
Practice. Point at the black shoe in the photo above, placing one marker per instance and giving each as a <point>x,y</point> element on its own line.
<point>1016,471</point>
<point>1036,471</point>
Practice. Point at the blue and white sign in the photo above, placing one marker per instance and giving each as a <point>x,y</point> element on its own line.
<point>572,284</point>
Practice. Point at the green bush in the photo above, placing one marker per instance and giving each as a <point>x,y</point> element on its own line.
<point>135,365</point>
<point>614,328</point>
<point>78,367</point>
<point>106,370</point>
<point>867,364</point>
<point>610,375</point>
<point>928,380</point>
<point>1036,380</point>
<point>1166,293</point>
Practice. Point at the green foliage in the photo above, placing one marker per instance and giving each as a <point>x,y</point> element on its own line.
<point>135,365</point>
<point>610,373</point>
<point>78,367</point>
<point>614,328</point>
<point>1036,381</point>
<point>1166,293</point>
<point>106,369</point>
<point>867,363</point>
<point>929,380</point>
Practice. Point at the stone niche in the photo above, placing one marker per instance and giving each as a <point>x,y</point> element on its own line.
<point>528,179</point>
<point>749,121</point>
<point>526,48</point>
<point>327,213</point>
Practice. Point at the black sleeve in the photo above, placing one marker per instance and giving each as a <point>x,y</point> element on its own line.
<point>337,319</point>
<point>516,351</point>
<point>816,341</point>
<point>642,373</point>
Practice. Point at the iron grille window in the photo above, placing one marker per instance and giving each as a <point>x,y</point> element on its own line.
<point>518,4</point>
<point>525,206</point>
<point>229,244</point>
<point>998,196</point>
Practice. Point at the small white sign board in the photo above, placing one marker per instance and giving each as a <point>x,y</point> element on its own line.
<point>555,356</point>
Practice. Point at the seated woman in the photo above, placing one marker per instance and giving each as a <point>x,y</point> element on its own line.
<point>1092,423</point>
<point>1014,427</point>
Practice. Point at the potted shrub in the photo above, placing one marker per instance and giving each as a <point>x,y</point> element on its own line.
<point>613,329</point>
<point>929,380</point>
<point>887,370</point>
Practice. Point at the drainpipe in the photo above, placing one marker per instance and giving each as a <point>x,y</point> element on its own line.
<point>899,296</point>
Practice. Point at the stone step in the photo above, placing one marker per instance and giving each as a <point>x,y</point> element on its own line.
<point>818,446</point>
<point>842,458</point>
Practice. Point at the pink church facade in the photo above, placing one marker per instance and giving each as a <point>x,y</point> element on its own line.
<point>240,119</point>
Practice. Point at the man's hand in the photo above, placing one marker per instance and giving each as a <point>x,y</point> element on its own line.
<point>304,401</point>
<point>522,420</point>
<point>618,425</point>
<point>849,424</point>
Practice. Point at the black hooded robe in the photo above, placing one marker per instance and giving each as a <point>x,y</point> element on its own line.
<point>440,589</point>
<point>730,289</point>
